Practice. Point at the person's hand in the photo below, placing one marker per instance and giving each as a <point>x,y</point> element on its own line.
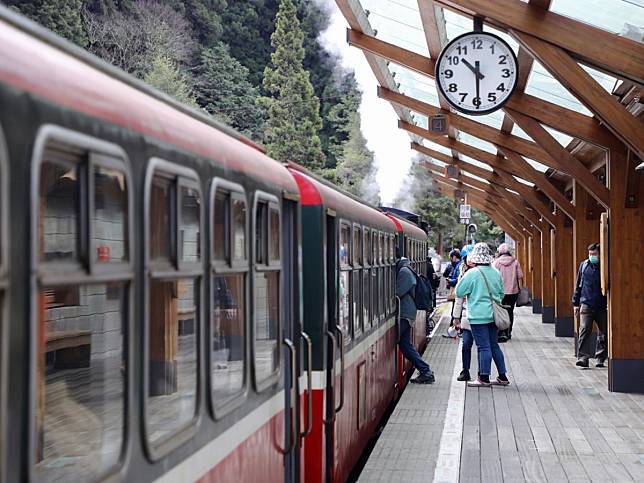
<point>576,311</point>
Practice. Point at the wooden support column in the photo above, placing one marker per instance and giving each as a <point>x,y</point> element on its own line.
<point>537,282</point>
<point>585,232</point>
<point>564,277</point>
<point>626,279</point>
<point>547,286</point>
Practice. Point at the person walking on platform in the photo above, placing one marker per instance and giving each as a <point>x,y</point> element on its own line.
<point>590,306</point>
<point>512,276</point>
<point>405,288</point>
<point>480,285</point>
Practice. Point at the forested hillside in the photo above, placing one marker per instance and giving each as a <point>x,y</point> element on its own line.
<point>256,65</point>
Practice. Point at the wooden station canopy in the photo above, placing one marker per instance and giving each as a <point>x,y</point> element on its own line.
<point>560,158</point>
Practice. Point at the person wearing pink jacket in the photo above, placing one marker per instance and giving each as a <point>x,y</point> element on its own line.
<point>512,276</point>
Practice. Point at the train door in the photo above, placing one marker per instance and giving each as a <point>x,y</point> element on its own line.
<point>330,332</point>
<point>291,332</point>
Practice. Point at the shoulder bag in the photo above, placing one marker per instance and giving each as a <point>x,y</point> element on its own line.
<point>501,315</point>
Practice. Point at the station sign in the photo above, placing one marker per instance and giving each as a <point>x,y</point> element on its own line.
<point>438,124</point>
<point>465,211</point>
<point>465,221</point>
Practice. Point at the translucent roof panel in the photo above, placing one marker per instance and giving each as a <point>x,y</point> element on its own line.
<point>456,25</point>
<point>561,138</point>
<point>414,84</point>
<point>476,142</point>
<point>537,165</point>
<point>605,14</point>
<point>523,181</point>
<point>606,81</point>
<point>436,147</point>
<point>398,22</point>
<point>517,131</point>
<point>494,120</point>
<point>475,163</point>
<point>542,85</point>
<point>475,177</point>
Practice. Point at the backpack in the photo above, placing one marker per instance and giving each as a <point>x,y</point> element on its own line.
<point>423,297</point>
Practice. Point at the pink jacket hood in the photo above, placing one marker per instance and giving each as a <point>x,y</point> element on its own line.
<point>505,260</point>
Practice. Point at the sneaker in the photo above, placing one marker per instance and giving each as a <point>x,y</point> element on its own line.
<point>582,363</point>
<point>600,363</point>
<point>501,339</point>
<point>464,375</point>
<point>500,382</point>
<point>478,383</point>
<point>423,379</point>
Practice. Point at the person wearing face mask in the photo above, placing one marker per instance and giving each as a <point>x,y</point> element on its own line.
<point>590,305</point>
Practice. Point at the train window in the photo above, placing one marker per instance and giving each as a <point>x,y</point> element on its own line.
<point>345,239</point>
<point>190,225</point>
<point>228,318</point>
<point>367,247</point>
<point>59,198</point>
<point>274,244</point>
<point>357,246</point>
<point>221,227</point>
<point>173,300</point>
<point>374,277</point>
<point>80,319</point>
<point>267,294</point>
<point>109,218</point>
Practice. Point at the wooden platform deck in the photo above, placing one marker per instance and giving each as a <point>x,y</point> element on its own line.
<point>555,422</point>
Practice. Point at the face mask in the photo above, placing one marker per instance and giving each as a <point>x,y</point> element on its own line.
<point>594,259</point>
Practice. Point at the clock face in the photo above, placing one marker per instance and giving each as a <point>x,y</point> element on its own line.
<point>477,73</point>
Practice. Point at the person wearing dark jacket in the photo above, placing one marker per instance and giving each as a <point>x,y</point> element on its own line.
<point>434,280</point>
<point>405,289</point>
<point>590,306</point>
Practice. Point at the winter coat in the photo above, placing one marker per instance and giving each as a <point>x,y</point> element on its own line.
<point>588,289</point>
<point>405,289</point>
<point>511,272</point>
<point>451,273</point>
<point>458,309</point>
<point>472,286</point>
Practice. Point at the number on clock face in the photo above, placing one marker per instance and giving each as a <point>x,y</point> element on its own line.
<point>477,72</point>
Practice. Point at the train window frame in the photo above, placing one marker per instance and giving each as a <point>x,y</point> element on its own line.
<point>4,299</point>
<point>176,270</point>
<point>272,202</point>
<point>235,191</point>
<point>343,223</point>
<point>356,274</point>
<point>366,269</point>
<point>85,272</point>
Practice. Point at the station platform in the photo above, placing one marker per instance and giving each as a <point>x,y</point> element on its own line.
<point>555,422</point>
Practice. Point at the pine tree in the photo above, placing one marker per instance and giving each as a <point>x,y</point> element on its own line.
<point>166,76</point>
<point>293,123</point>
<point>223,89</point>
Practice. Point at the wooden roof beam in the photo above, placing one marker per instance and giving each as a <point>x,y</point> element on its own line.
<point>569,163</point>
<point>569,73</point>
<point>516,164</point>
<point>612,53</point>
<point>559,118</point>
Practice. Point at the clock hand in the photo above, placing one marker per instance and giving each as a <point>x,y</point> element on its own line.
<point>478,82</point>
<point>475,70</point>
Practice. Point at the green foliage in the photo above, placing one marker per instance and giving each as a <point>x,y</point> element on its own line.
<point>223,89</point>
<point>166,76</point>
<point>205,17</point>
<point>60,16</point>
<point>293,121</point>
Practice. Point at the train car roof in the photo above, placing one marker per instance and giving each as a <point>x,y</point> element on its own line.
<point>406,227</point>
<point>34,60</point>
<point>314,192</point>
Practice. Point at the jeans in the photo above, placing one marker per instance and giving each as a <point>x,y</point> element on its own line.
<point>485,336</point>
<point>408,349</point>
<point>509,299</point>
<point>466,352</point>
<point>587,315</point>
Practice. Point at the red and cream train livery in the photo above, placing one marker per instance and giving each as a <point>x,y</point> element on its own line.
<point>175,305</point>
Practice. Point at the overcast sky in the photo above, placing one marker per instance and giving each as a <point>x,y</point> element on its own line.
<point>379,120</point>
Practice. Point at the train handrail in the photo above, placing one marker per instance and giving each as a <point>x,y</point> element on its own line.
<point>309,380</point>
<point>339,408</point>
<point>291,347</point>
<point>331,336</point>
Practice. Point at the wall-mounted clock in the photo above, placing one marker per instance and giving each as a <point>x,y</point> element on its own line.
<point>477,73</point>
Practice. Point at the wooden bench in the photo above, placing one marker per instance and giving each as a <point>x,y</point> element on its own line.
<point>72,348</point>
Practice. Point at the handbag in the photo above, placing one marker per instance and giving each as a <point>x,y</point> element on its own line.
<point>451,295</point>
<point>500,312</point>
<point>524,297</point>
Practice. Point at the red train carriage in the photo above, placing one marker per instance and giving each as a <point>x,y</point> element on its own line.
<point>150,278</point>
<point>349,309</point>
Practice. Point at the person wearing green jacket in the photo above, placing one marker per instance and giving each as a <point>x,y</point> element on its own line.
<point>480,285</point>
